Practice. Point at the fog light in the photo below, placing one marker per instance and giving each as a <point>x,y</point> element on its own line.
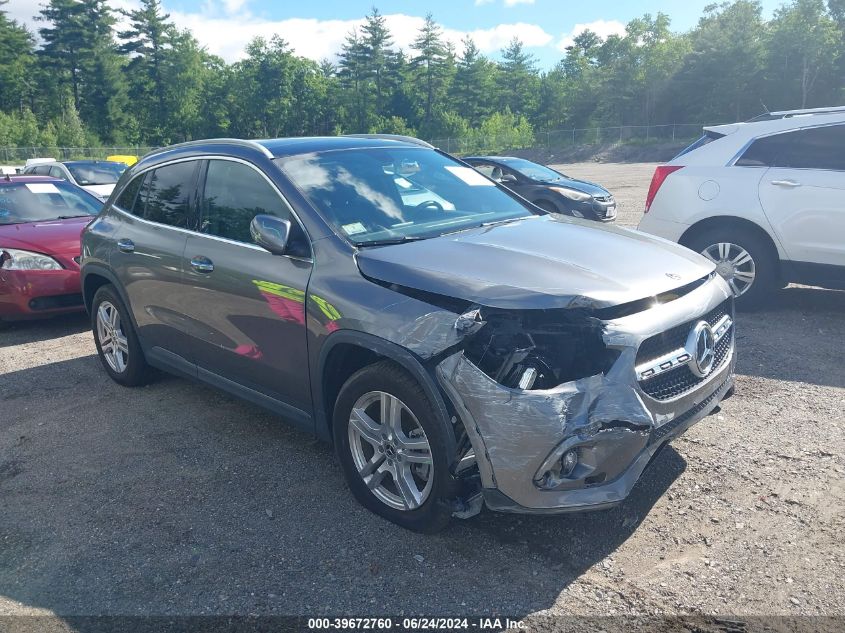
<point>568,462</point>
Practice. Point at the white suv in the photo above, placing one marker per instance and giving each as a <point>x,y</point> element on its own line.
<point>765,200</point>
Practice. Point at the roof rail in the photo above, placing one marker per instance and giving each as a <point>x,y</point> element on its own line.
<point>217,141</point>
<point>787,114</point>
<point>829,110</point>
<point>394,137</point>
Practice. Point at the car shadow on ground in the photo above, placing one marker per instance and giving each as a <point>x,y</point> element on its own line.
<point>31,331</point>
<point>774,342</point>
<point>175,499</point>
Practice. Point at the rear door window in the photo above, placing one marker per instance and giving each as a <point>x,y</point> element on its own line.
<point>126,200</point>
<point>168,194</point>
<point>814,148</point>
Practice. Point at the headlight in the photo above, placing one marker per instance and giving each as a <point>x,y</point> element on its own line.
<point>14,259</point>
<point>572,194</point>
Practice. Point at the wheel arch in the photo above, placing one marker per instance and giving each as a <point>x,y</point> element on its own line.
<point>94,277</point>
<point>730,222</point>
<point>345,352</point>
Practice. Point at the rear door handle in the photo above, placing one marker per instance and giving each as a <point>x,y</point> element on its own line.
<point>126,246</point>
<point>786,183</point>
<point>202,264</point>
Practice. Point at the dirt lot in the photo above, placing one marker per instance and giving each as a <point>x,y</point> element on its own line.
<point>176,499</point>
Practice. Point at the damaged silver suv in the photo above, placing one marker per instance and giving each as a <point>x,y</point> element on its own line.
<point>458,345</point>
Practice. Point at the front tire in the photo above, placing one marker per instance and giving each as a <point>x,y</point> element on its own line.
<point>116,340</point>
<point>392,448</point>
<point>745,260</point>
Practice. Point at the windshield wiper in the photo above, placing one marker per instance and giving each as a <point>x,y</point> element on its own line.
<point>390,241</point>
<point>506,220</point>
<point>68,217</point>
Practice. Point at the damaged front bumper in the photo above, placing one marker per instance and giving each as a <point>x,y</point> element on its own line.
<point>584,444</point>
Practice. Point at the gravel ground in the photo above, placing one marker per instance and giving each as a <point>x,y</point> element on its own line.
<point>176,499</point>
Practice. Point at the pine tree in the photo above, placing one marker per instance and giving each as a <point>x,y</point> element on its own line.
<point>16,61</point>
<point>433,67</point>
<point>147,43</point>
<point>519,82</point>
<point>66,42</point>
<point>473,91</point>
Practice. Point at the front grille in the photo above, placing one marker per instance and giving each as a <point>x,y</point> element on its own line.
<point>670,340</point>
<point>603,198</point>
<point>680,380</point>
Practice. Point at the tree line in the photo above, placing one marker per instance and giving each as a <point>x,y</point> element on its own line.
<point>84,83</point>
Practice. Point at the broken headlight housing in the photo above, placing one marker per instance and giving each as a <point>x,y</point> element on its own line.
<point>536,349</point>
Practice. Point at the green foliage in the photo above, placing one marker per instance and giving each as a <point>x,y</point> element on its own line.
<point>152,84</point>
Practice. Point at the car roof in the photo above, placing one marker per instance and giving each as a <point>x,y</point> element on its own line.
<point>89,162</point>
<point>280,147</point>
<point>499,159</point>
<point>761,127</point>
<point>28,178</point>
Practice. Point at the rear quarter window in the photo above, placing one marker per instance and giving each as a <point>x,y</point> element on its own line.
<point>708,138</point>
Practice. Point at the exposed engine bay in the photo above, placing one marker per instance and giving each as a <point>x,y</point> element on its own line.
<point>535,349</point>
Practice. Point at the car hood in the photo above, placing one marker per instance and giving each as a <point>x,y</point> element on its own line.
<point>579,185</point>
<point>53,237</point>
<point>538,263</point>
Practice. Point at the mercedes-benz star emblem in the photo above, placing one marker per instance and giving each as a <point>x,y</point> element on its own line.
<point>701,345</point>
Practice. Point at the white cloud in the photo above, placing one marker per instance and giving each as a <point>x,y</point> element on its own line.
<point>225,27</point>
<point>602,28</point>
<point>227,36</point>
<point>507,3</point>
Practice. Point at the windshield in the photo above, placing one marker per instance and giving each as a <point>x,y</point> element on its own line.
<point>39,201</point>
<point>533,170</point>
<point>96,173</point>
<point>398,194</point>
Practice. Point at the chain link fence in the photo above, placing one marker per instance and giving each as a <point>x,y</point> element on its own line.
<point>475,143</point>
<point>576,137</point>
<point>19,155</point>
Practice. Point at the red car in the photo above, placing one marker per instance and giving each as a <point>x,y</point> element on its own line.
<point>40,223</point>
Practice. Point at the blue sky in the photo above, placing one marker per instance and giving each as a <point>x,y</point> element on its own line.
<point>316,29</point>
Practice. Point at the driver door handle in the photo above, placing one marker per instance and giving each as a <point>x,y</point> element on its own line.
<point>202,264</point>
<point>786,183</point>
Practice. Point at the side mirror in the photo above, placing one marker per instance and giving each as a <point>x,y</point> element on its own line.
<point>270,232</point>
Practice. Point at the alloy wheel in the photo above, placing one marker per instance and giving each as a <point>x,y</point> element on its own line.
<point>390,451</point>
<point>734,264</point>
<point>113,343</point>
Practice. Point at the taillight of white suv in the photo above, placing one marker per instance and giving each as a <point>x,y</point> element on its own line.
<point>660,174</point>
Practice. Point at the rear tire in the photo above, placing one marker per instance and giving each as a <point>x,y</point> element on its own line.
<point>730,249</point>
<point>392,449</point>
<point>116,340</point>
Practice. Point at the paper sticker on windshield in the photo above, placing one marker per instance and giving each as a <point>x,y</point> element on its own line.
<point>354,228</point>
<point>42,187</point>
<point>470,176</point>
